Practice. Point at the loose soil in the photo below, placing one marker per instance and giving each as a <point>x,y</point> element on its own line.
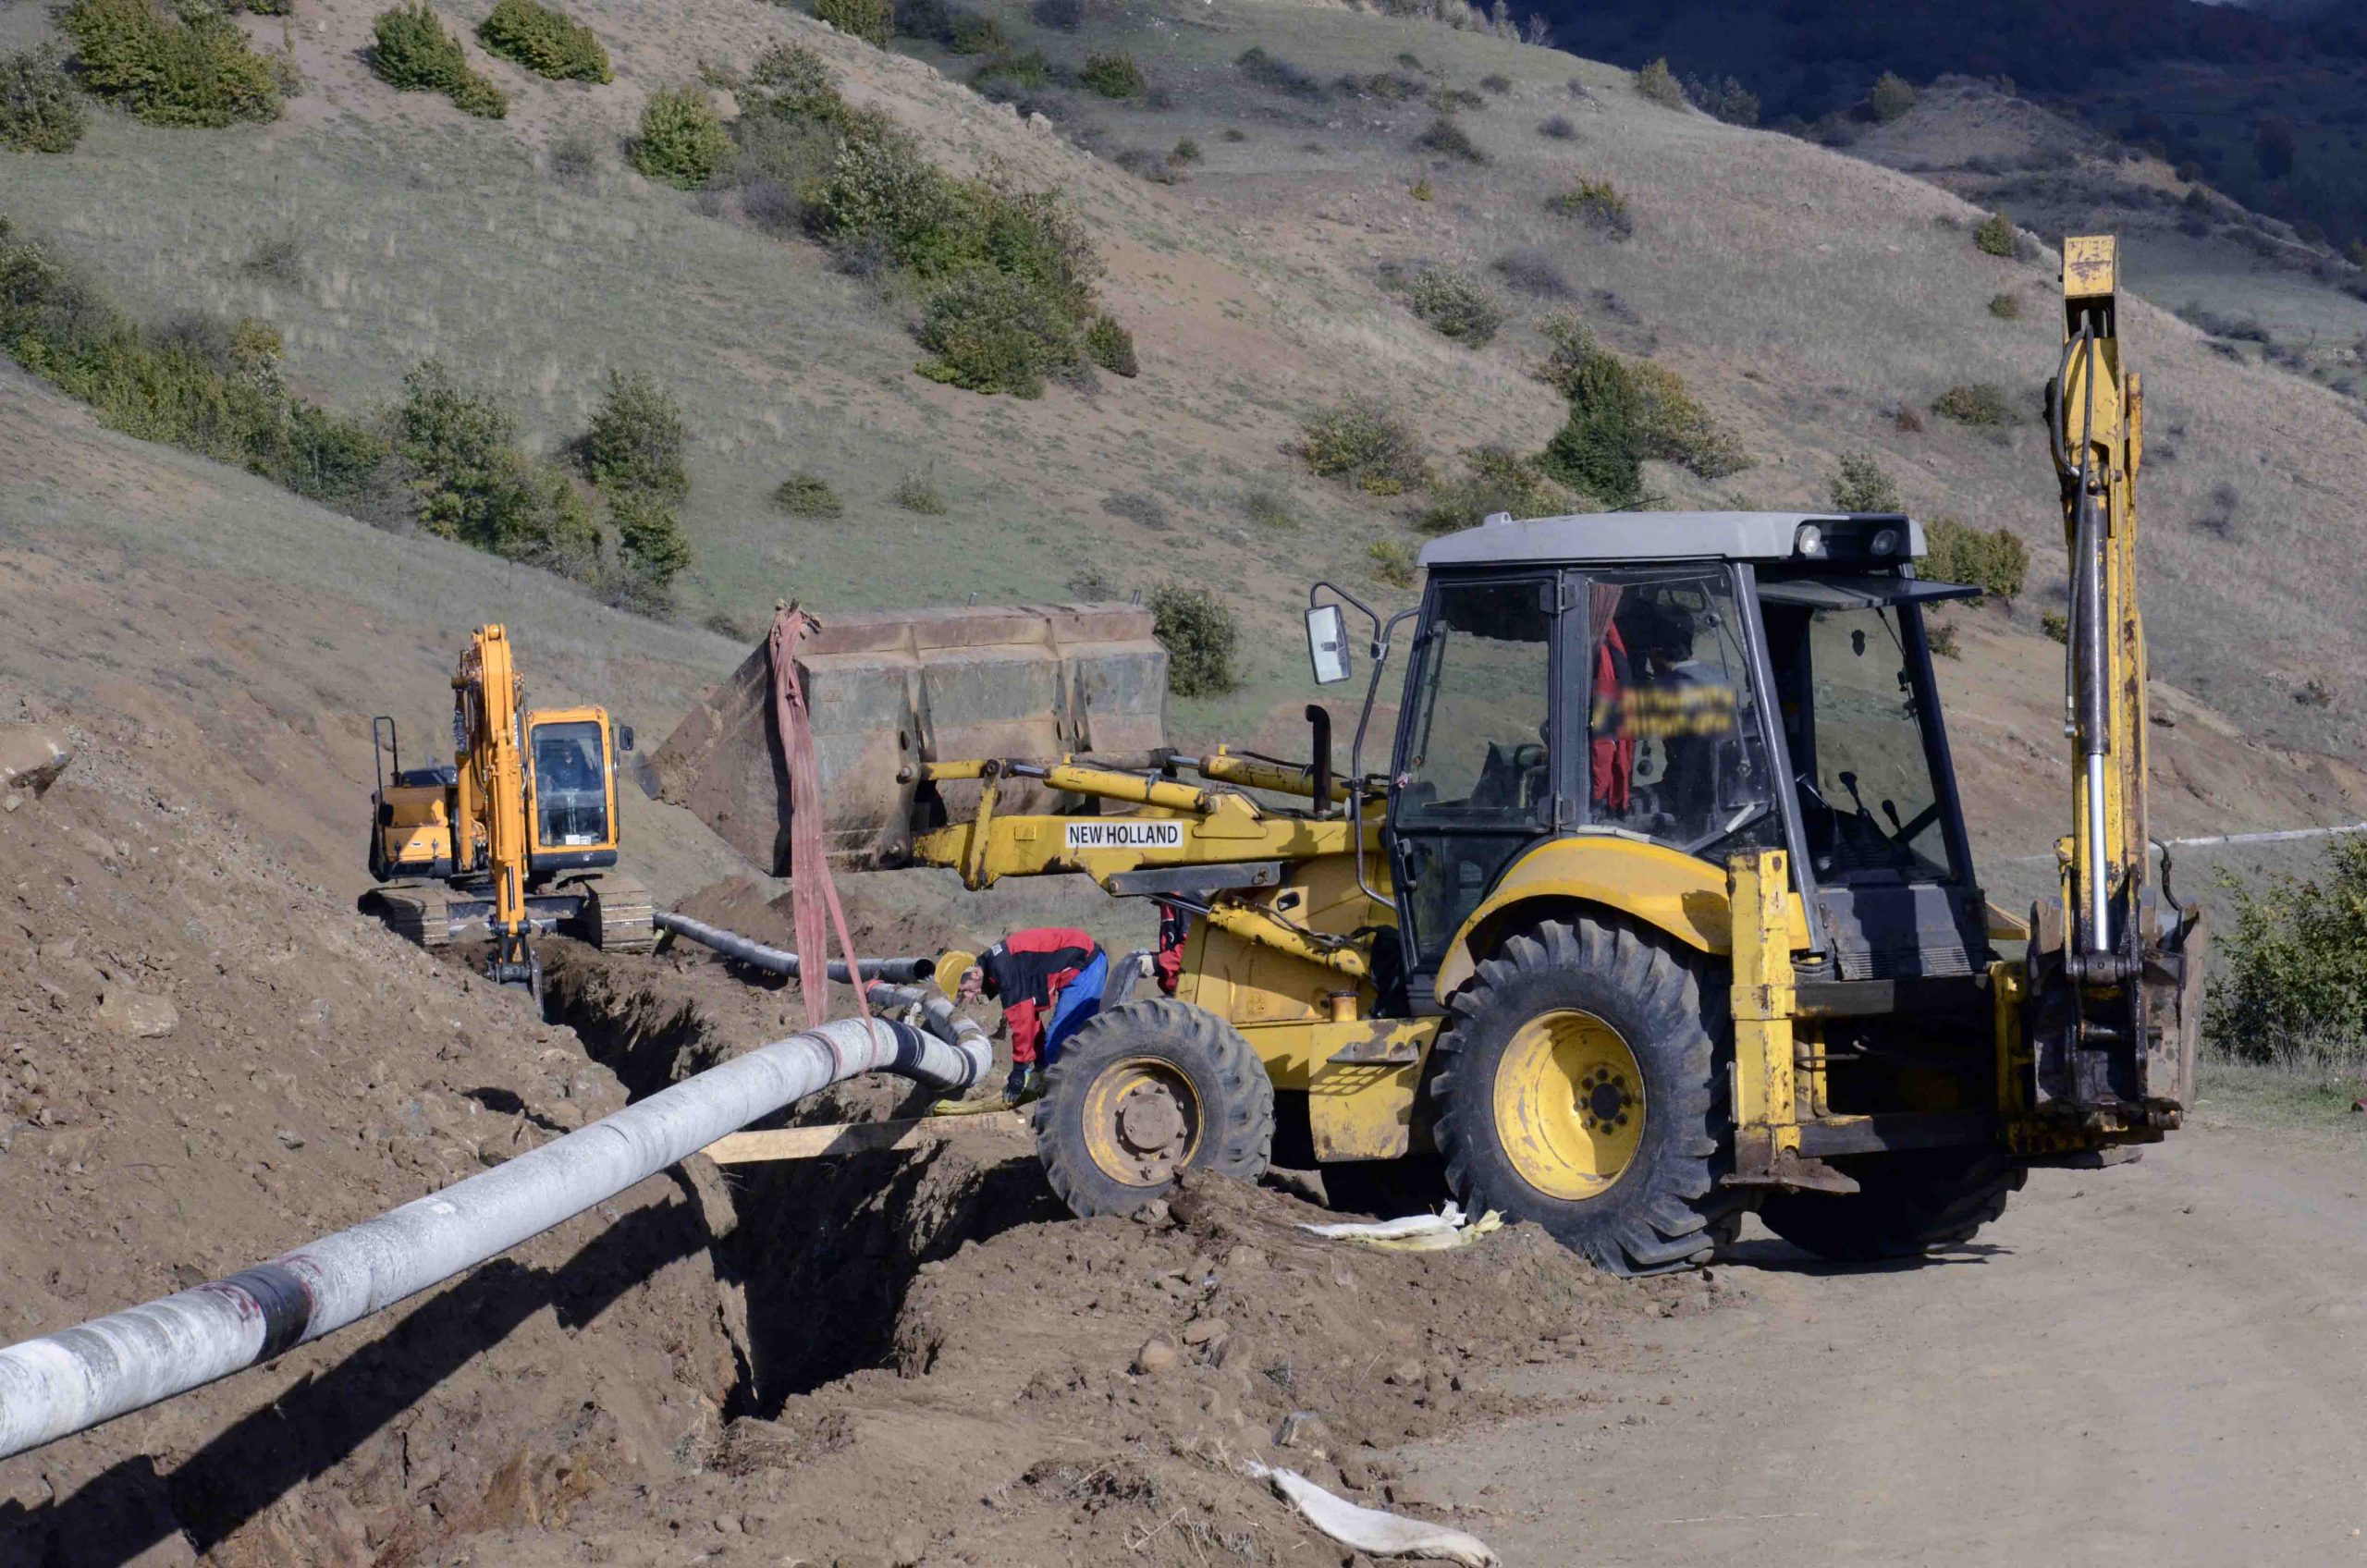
<point>883,1358</point>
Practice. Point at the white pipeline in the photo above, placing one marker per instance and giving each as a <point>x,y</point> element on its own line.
<point>64,1382</point>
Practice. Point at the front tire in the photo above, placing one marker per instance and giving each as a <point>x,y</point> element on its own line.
<point>1906,1205</point>
<point>1146,1090</point>
<point>1582,1088</point>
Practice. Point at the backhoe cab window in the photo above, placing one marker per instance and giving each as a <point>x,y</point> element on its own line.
<point>571,785</point>
<point>1675,749</point>
<point>1474,787</point>
<point>1868,804</point>
<point>1479,745</point>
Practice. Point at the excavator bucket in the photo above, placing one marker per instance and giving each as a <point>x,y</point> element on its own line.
<point>890,690</point>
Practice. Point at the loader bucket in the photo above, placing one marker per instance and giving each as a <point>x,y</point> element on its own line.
<point>891,689</point>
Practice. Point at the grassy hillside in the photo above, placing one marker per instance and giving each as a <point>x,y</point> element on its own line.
<point>1806,298</point>
<point>2249,281</point>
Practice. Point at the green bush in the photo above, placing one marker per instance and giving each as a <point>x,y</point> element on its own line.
<point>1981,403</point>
<point>209,386</point>
<point>167,69</point>
<point>1622,412</point>
<point>918,493</point>
<point>1269,508</point>
<point>2005,307</point>
<point>650,545</point>
<point>871,21</point>
<point>797,83</point>
<point>1658,83</point>
<point>1495,479</point>
<point>1945,641</point>
<point>1013,270</point>
<point>682,140</point>
<point>469,482</point>
<point>412,51</point>
<point>1392,562</point>
<point>1996,561</point>
<point>1111,75</point>
<point>2055,624</point>
<point>1006,275</point>
<point>1185,151</point>
<point>1862,484</point>
<point>2291,977</point>
<point>1200,636</point>
<point>634,443</point>
<point>38,111</point>
<point>1111,346</point>
<point>997,331</point>
<point>1027,72</point>
<point>1362,441</point>
<point>967,33</point>
<point>1892,98</point>
<point>1280,75</point>
<point>545,40</point>
<point>1597,203</point>
<point>805,493</point>
<point>1727,100</point>
<point>1995,235</point>
<point>1446,136</point>
<point>1455,304</point>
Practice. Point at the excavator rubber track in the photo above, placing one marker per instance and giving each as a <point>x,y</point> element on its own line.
<point>419,912</point>
<point>618,912</point>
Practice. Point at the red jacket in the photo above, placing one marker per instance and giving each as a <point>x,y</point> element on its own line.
<point>1026,972</point>
<point>1611,754</point>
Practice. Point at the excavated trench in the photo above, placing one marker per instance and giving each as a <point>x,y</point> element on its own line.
<point>814,1256</point>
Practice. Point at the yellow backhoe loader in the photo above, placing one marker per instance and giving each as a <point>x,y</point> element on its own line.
<point>518,834</point>
<point>1661,909</point>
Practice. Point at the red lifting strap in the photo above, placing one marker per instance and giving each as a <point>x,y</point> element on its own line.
<point>809,864</point>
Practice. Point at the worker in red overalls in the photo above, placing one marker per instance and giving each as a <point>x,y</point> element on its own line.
<point>1174,930</point>
<point>1049,980</point>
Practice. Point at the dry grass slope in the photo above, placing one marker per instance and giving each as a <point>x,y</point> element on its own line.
<point>1804,296</point>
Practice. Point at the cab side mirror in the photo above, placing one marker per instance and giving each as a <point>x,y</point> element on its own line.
<point>624,737</point>
<point>1326,644</point>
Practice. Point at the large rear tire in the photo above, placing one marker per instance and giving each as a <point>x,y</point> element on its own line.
<point>1582,1086</point>
<point>1143,1092</point>
<point>1906,1205</point>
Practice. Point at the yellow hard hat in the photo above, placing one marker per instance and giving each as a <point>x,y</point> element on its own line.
<point>952,965</point>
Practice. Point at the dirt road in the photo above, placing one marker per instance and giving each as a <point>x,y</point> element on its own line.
<point>2159,1365</point>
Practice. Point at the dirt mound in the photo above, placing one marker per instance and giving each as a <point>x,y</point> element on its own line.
<point>206,1057</point>
<point>1065,1388</point>
<point>946,1368</point>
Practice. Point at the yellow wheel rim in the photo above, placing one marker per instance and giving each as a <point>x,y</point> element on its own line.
<point>1569,1104</point>
<point>1142,1121</point>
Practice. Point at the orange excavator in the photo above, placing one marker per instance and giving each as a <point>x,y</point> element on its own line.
<point>518,835</point>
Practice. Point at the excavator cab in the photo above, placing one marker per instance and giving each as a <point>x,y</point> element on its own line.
<point>571,784</point>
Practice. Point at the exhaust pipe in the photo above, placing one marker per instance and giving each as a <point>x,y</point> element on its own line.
<point>731,944</point>
<point>78,1378</point>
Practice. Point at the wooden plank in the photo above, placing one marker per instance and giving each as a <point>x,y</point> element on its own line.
<point>860,1137</point>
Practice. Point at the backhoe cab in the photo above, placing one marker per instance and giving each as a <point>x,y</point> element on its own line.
<point>518,834</point>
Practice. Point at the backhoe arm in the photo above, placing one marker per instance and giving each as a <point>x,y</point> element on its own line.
<point>486,703</point>
<point>2113,977</point>
<point>2098,441</point>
